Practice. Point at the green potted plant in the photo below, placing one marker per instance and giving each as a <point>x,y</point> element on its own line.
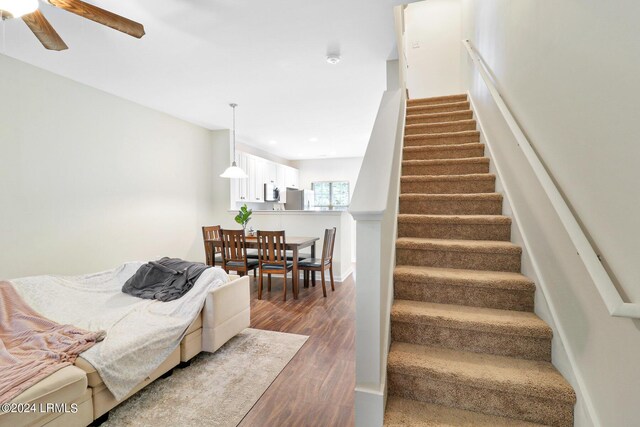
<point>244,216</point>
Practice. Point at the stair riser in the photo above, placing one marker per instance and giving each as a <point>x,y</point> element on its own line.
<point>455,231</point>
<point>443,153</point>
<point>439,108</point>
<point>440,139</point>
<point>447,169</point>
<point>437,100</point>
<point>426,129</point>
<point>458,259</point>
<point>441,118</point>
<point>447,187</point>
<point>429,291</point>
<point>449,207</point>
<point>461,395</point>
<point>522,347</point>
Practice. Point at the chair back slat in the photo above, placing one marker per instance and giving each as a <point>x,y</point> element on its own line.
<point>272,247</point>
<point>210,250</point>
<point>329,243</point>
<point>234,246</point>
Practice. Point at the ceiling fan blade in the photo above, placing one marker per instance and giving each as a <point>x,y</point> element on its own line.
<point>43,30</point>
<point>101,16</point>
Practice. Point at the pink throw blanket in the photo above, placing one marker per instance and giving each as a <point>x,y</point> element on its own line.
<point>33,347</point>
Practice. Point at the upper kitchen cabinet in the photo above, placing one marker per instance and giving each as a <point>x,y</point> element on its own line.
<point>240,187</point>
<point>261,171</point>
<point>292,177</point>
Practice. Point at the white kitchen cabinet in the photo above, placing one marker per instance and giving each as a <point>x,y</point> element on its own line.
<point>281,182</point>
<point>261,171</point>
<point>240,186</point>
<point>292,177</point>
<point>257,179</point>
<point>270,172</point>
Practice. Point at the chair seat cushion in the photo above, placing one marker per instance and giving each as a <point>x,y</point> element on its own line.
<point>276,266</point>
<point>250,263</point>
<point>312,262</point>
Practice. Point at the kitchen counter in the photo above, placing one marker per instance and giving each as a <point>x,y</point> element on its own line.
<point>295,212</point>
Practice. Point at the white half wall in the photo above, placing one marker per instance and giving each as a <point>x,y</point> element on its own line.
<point>89,180</point>
<point>568,72</point>
<point>433,51</point>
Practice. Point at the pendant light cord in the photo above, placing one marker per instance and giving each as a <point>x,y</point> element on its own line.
<point>234,133</point>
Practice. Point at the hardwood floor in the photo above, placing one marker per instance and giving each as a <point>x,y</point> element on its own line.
<point>316,387</point>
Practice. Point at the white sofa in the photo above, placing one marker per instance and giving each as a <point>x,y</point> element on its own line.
<point>225,314</point>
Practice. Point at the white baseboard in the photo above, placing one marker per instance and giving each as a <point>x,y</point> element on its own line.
<point>336,277</point>
<point>370,406</point>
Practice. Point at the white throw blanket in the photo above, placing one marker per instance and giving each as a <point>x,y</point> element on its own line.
<point>141,333</point>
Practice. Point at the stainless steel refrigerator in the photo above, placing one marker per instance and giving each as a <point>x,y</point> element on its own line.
<point>299,200</point>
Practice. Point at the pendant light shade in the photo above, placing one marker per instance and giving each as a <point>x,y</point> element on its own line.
<point>233,171</point>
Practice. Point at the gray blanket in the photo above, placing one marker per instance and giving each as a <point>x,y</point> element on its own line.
<point>164,280</point>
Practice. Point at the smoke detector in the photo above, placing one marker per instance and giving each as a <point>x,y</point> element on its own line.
<point>333,58</point>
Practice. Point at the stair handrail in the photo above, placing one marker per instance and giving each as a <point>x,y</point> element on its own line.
<point>592,261</point>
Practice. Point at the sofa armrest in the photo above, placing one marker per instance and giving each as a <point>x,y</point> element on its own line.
<point>226,312</point>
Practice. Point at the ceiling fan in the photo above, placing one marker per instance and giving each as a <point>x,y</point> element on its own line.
<point>42,29</point>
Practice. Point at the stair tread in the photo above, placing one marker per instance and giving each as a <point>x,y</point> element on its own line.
<point>462,196</point>
<point>467,177</point>
<point>478,319</point>
<point>456,96</point>
<point>417,107</point>
<point>526,377</point>
<point>420,136</point>
<point>477,278</point>
<point>431,162</point>
<point>407,412</point>
<point>427,116</point>
<point>438,124</point>
<point>488,246</point>
<point>466,146</point>
<point>457,219</point>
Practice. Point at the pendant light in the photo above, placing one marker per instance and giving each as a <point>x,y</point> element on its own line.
<point>233,171</point>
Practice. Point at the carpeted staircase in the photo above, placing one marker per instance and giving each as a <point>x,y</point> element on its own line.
<point>466,348</point>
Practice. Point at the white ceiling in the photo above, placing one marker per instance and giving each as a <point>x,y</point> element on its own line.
<point>267,55</point>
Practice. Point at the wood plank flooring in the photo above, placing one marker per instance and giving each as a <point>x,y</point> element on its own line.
<point>316,387</point>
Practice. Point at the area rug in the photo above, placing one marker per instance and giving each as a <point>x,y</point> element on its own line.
<point>216,389</point>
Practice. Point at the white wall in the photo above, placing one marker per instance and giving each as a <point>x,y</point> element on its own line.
<point>568,72</point>
<point>338,169</point>
<point>433,33</point>
<point>89,180</point>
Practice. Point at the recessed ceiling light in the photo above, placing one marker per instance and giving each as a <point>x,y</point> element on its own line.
<point>313,139</point>
<point>272,142</point>
<point>333,58</point>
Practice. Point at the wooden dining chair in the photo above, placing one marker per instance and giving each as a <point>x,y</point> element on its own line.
<point>213,253</point>
<point>273,258</point>
<point>311,265</point>
<point>234,253</point>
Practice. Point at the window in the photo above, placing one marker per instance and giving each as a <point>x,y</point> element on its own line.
<point>331,194</point>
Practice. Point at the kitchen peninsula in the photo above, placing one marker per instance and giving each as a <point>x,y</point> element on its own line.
<point>312,223</point>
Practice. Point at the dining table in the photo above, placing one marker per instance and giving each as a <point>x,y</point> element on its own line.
<point>292,243</point>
